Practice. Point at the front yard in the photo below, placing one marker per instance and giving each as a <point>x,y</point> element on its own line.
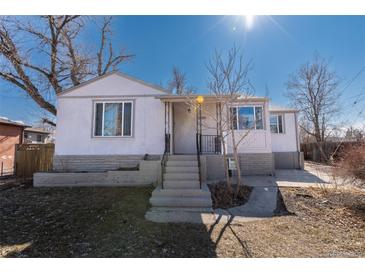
<point>109,222</point>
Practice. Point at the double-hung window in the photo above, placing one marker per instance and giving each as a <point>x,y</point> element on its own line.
<point>276,123</point>
<point>247,117</point>
<point>113,119</point>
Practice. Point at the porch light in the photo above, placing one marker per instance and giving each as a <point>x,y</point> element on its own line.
<point>200,99</point>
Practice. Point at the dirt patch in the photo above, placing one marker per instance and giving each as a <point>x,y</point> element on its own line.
<point>281,209</point>
<point>91,222</point>
<point>222,197</point>
<point>109,222</point>
<point>321,224</point>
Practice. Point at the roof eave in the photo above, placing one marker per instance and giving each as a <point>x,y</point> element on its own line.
<point>13,124</point>
<point>106,75</point>
<point>283,110</point>
<point>211,98</point>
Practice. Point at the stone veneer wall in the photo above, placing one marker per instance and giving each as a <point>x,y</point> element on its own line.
<point>149,173</point>
<point>288,160</point>
<point>257,164</point>
<point>96,163</point>
<point>250,163</point>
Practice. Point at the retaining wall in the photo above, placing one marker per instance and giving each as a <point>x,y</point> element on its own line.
<point>148,173</point>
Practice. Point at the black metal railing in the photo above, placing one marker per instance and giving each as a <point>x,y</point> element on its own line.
<point>198,152</point>
<point>210,144</point>
<point>164,157</point>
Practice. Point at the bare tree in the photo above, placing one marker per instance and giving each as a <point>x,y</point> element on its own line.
<point>178,83</point>
<point>43,56</point>
<point>229,82</point>
<point>313,90</point>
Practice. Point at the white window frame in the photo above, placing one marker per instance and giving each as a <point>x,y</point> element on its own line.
<point>277,123</point>
<point>102,121</point>
<point>254,114</point>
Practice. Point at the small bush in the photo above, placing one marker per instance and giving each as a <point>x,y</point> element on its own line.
<point>223,198</point>
<point>353,162</point>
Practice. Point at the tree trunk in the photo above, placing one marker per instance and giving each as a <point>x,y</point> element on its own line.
<point>236,158</point>
<point>225,164</point>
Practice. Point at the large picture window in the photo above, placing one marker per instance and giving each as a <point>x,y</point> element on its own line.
<point>247,117</point>
<point>113,119</point>
<point>276,123</point>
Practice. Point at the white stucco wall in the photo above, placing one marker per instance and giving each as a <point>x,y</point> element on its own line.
<point>257,141</point>
<point>74,134</point>
<point>287,141</point>
<point>75,119</point>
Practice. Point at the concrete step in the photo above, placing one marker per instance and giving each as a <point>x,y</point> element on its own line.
<point>158,192</point>
<point>181,176</point>
<point>181,201</point>
<point>181,184</point>
<point>182,157</point>
<point>182,209</point>
<point>182,216</point>
<point>182,169</point>
<point>192,163</point>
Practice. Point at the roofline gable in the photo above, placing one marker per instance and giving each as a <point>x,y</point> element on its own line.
<point>92,80</point>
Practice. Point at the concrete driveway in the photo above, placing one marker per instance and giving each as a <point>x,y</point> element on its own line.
<point>311,176</point>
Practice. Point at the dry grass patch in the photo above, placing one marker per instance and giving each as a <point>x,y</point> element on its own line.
<point>109,222</point>
<point>330,224</point>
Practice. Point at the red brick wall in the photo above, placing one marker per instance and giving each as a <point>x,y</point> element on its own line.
<point>9,137</point>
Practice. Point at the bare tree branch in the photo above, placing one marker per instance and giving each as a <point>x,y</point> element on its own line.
<point>229,81</point>
<point>313,90</point>
<point>113,60</point>
<point>178,83</point>
<point>60,60</point>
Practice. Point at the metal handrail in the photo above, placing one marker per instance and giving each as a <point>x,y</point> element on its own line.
<point>164,158</point>
<point>198,152</point>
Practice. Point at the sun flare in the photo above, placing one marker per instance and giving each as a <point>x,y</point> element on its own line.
<point>249,20</point>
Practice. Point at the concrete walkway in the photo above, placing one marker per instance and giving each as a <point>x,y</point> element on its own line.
<point>290,178</point>
<point>261,204</point>
<point>262,201</point>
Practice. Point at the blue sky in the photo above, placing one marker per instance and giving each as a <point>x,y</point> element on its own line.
<point>277,45</point>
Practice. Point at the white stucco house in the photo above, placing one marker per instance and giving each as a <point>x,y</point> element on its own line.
<point>112,122</point>
<point>116,118</point>
<point>118,130</point>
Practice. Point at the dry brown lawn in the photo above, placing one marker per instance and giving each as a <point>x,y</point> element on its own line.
<point>109,222</point>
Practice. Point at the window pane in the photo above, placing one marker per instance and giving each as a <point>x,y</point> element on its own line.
<point>245,118</point>
<point>113,119</point>
<point>234,117</point>
<point>98,119</point>
<point>280,118</point>
<point>273,124</point>
<point>258,116</point>
<point>127,126</point>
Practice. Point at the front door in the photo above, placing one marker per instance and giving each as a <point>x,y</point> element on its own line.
<point>184,129</point>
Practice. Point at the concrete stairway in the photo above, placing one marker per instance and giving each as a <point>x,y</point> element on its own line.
<point>181,188</point>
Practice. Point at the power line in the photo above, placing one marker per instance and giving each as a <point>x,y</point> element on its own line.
<point>353,79</point>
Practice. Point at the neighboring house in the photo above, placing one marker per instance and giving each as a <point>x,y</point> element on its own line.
<point>112,121</point>
<point>37,136</point>
<point>11,134</point>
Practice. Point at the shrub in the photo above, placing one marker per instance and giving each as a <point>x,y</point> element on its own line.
<point>353,162</point>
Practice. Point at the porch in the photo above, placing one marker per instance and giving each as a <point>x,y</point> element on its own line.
<point>191,128</point>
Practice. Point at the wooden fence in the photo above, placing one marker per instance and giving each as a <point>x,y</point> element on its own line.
<point>31,158</point>
<point>335,150</point>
